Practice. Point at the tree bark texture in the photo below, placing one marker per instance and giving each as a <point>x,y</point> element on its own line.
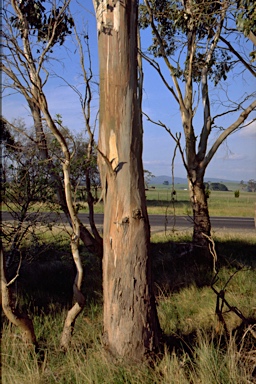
<point>201,219</point>
<point>130,319</point>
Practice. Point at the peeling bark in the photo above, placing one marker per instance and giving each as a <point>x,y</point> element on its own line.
<point>131,328</point>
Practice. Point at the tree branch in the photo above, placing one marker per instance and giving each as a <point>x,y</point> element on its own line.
<point>232,128</point>
<point>240,58</point>
<point>167,62</point>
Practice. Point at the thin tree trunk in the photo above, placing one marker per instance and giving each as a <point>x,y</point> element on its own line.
<point>131,327</point>
<point>93,243</point>
<point>78,297</point>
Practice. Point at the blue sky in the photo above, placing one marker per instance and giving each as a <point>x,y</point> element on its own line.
<point>234,160</point>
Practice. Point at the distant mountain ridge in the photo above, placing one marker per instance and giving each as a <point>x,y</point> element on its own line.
<point>182,180</point>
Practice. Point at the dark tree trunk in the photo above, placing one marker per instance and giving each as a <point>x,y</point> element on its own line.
<point>201,220</point>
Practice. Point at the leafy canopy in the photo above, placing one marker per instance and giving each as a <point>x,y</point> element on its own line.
<point>178,22</point>
<point>40,21</point>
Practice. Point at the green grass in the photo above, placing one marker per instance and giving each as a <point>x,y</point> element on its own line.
<point>220,203</point>
<point>159,202</point>
<point>196,350</point>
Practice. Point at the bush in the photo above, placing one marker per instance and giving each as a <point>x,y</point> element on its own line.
<point>237,193</point>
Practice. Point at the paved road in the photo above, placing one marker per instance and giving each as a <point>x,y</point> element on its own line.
<point>159,221</point>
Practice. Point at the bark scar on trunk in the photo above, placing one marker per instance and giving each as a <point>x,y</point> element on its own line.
<point>137,214</point>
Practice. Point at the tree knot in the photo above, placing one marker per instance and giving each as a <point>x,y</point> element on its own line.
<point>137,214</point>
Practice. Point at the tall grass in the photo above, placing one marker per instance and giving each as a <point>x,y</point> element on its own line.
<point>196,348</point>
<point>208,359</point>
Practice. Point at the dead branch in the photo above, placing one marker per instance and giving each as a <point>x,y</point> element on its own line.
<point>212,250</point>
<point>21,320</point>
<point>221,302</point>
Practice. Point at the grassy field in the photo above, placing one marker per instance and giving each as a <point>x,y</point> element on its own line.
<point>159,202</point>
<point>195,349</point>
<point>220,203</point>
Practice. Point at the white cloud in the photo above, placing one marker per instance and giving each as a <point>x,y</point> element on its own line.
<point>233,157</point>
<point>249,131</point>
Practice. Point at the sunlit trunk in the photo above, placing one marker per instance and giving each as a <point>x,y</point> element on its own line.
<point>130,319</point>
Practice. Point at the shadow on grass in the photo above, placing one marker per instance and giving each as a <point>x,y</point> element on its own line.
<point>45,282</point>
<point>46,279</point>
<point>175,266</point>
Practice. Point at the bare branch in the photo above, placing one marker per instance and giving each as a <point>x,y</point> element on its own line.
<point>232,128</point>
<point>167,62</point>
<point>205,91</point>
<point>156,66</point>
<point>240,58</point>
<point>17,273</point>
<point>175,138</point>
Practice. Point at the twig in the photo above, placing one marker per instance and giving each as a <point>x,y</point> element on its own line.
<point>17,273</point>
<point>212,250</point>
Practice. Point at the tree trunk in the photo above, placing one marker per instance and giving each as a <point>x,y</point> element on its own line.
<point>131,326</point>
<point>93,243</point>
<point>201,219</point>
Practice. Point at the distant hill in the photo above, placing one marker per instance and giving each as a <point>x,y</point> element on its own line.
<point>182,180</point>
<point>160,179</point>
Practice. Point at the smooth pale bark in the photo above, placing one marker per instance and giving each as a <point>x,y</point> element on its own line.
<point>78,298</point>
<point>130,320</point>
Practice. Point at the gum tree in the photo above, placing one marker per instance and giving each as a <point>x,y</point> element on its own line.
<point>194,40</point>
<point>131,326</point>
<point>31,32</point>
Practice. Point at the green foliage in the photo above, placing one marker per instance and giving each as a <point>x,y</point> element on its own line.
<point>246,16</point>
<point>42,22</point>
<point>246,20</point>
<point>237,193</point>
<point>175,22</point>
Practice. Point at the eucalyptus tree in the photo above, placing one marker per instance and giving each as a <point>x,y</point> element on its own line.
<point>31,32</point>
<point>131,328</point>
<point>194,40</point>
